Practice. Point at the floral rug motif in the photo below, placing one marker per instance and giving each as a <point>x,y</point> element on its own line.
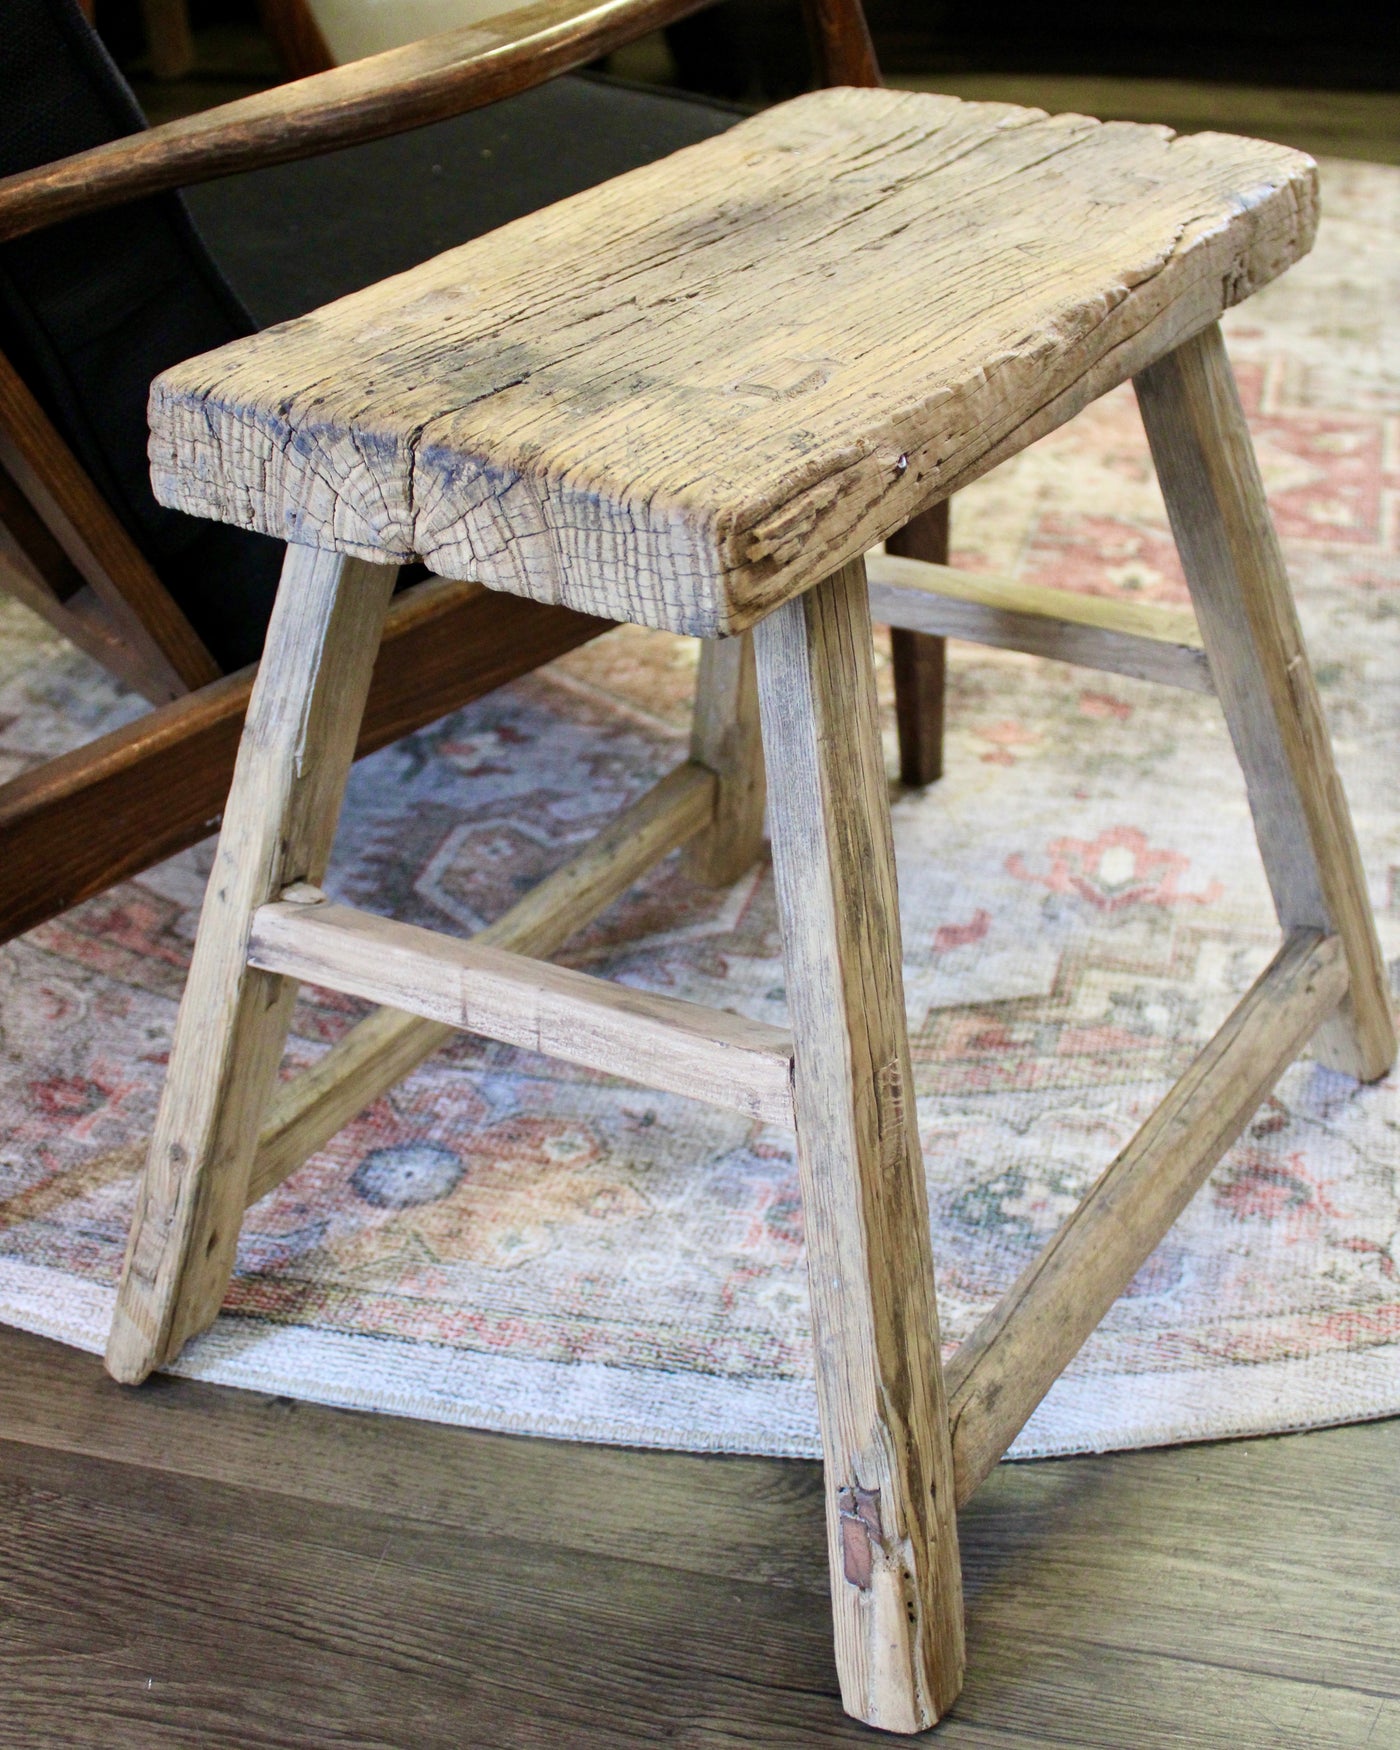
<point>514,1243</point>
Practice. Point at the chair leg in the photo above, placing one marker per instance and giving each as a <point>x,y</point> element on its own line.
<point>278,826</point>
<point>725,736</point>
<point>1239,587</point>
<point>920,660</point>
<point>892,1531</point>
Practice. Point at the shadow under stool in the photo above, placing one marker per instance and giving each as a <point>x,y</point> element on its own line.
<point>693,398</point>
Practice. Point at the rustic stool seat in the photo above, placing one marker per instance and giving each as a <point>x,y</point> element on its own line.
<point>692,399</point>
<point>649,401</point>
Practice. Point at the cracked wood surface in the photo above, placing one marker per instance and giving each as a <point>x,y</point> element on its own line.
<point>681,396</point>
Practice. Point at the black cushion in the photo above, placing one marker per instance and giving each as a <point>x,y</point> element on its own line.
<point>91,310</point>
<point>297,235</point>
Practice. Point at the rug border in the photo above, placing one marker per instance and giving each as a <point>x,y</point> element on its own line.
<point>598,1402</point>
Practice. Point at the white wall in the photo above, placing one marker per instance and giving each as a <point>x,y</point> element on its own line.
<point>354,28</point>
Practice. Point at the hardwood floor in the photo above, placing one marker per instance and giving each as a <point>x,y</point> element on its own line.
<point>188,1565</point>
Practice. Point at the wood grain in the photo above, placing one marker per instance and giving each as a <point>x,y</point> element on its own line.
<point>409,87</point>
<point>265,1564</point>
<point>892,1531</point>
<point>1147,640</point>
<point>844,54</point>
<point>29,545</point>
<point>727,738</point>
<point>281,817</point>
<point>164,656</point>
<point>673,398</point>
<point>663,1042</point>
<point>1002,1371</point>
<point>452,1479</point>
<point>87,819</point>
<point>919,659</point>
<point>1239,586</point>
<point>381,1050</point>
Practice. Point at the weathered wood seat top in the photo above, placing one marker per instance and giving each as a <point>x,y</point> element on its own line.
<point>682,395</point>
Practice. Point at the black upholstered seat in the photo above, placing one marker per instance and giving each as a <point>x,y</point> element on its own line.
<point>92,310</point>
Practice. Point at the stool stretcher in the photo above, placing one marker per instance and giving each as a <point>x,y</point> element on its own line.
<point>1146,640</point>
<point>1003,1370</point>
<point>388,1045</point>
<point>660,1041</point>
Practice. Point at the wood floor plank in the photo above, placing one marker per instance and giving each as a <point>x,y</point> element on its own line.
<point>506,1635</point>
<point>1217,1553</point>
<point>281,1574</point>
<point>431,1639</point>
<point>679,1507</point>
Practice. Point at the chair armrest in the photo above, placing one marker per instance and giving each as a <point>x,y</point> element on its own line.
<point>404,88</point>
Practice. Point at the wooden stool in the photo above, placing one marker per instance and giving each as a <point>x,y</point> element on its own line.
<point>693,398</point>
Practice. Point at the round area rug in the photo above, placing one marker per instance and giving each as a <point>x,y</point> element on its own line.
<point>517,1244</point>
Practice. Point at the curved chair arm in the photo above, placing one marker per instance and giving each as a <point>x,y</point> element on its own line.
<point>409,87</point>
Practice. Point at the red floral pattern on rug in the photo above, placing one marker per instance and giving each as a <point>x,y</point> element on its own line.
<point>1116,870</point>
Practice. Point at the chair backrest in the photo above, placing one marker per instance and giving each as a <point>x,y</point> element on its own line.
<point>92,309</point>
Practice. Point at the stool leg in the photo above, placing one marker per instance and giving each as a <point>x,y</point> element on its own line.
<point>293,762</point>
<point>919,660</point>
<point>892,1531</point>
<point>1230,552</point>
<point>725,736</point>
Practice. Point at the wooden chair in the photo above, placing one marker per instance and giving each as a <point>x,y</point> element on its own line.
<point>782,345</point>
<point>177,609</point>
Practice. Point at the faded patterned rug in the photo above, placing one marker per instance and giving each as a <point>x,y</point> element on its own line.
<point>517,1244</point>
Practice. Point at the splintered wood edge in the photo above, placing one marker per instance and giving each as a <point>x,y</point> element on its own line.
<point>726,566</point>
<point>896,1585</point>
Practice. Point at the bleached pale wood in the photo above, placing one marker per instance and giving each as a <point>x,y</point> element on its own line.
<point>1239,586</point>
<point>381,1050</point>
<point>1147,640</point>
<point>999,1375</point>
<point>660,1041</point>
<point>674,398</point>
<point>892,1531</point>
<point>279,822</point>
<point>726,737</point>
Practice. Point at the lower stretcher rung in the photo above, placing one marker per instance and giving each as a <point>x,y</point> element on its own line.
<point>662,1042</point>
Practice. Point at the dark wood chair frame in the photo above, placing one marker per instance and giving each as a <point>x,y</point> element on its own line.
<point>77,824</point>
